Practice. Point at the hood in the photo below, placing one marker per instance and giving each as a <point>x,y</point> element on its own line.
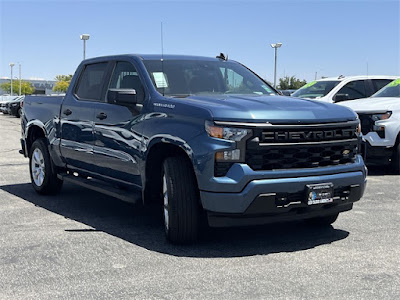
<point>319,98</point>
<point>274,109</point>
<point>374,104</point>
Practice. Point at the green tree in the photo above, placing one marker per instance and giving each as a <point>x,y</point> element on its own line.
<point>62,83</point>
<point>61,86</point>
<point>26,87</point>
<point>63,77</point>
<point>291,83</point>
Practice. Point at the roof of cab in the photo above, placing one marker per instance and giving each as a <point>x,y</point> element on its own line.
<point>360,77</point>
<point>151,57</point>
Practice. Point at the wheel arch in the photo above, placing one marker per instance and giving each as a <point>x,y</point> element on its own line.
<point>397,142</point>
<point>34,131</point>
<point>156,154</point>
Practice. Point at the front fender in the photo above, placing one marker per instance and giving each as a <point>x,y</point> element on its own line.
<point>172,140</point>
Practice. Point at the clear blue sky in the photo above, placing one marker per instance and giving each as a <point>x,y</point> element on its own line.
<point>328,37</point>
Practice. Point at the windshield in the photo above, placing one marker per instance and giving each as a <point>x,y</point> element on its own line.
<point>181,78</point>
<point>390,90</point>
<point>315,89</point>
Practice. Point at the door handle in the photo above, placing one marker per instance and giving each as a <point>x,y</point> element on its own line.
<point>101,116</point>
<point>67,112</point>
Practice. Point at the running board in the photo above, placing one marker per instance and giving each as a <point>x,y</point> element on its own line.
<point>127,195</point>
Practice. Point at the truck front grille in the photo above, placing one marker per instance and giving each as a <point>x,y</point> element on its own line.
<point>302,146</point>
<point>301,156</point>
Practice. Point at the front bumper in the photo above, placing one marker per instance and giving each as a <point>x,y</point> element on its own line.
<point>14,110</point>
<point>231,220</point>
<point>23,150</point>
<point>376,141</point>
<point>281,199</point>
<point>380,155</point>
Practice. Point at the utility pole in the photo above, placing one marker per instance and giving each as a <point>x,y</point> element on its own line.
<point>12,65</point>
<point>276,46</point>
<point>19,78</point>
<point>84,38</point>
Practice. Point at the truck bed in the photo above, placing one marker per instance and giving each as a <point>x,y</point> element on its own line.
<point>43,108</point>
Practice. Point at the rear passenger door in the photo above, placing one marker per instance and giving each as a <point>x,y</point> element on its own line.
<point>117,140</point>
<point>77,114</point>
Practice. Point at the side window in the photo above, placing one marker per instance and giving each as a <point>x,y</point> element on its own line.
<point>125,76</point>
<point>90,83</point>
<point>352,90</point>
<point>380,83</point>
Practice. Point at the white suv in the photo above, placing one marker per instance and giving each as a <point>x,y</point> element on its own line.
<point>336,89</point>
<point>380,124</point>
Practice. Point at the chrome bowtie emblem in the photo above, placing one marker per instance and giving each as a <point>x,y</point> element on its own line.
<point>346,152</point>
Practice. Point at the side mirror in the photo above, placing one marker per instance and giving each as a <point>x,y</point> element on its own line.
<point>341,97</point>
<point>122,96</point>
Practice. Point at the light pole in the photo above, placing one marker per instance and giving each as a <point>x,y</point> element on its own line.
<point>12,65</point>
<point>275,46</point>
<point>84,38</point>
<point>19,78</point>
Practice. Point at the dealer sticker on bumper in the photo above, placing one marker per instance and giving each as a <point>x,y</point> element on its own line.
<point>319,193</point>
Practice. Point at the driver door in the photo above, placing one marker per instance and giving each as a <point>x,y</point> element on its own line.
<point>118,141</point>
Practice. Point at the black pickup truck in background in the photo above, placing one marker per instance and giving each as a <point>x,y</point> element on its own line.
<point>198,138</point>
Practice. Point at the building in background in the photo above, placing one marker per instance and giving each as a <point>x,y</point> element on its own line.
<point>42,87</point>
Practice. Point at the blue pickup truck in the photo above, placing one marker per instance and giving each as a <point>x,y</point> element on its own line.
<point>200,138</point>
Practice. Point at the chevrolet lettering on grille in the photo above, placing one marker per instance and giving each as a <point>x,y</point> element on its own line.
<point>320,135</point>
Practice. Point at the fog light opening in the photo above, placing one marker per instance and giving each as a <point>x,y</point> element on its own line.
<point>229,155</point>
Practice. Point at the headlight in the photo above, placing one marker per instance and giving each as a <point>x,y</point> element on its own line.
<point>380,128</point>
<point>379,117</point>
<point>226,133</point>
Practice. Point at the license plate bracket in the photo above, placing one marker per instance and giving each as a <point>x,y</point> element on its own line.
<point>319,193</point>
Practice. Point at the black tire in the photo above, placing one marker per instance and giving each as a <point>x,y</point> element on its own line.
<point>181,222</point>
<point>396,160</point>
<point>47,182</point>
<point>19,112</point>
<point>322,221</point>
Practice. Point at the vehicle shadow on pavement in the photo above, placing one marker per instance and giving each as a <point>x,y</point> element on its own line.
<point>144,228</point>
<point>382,170</point>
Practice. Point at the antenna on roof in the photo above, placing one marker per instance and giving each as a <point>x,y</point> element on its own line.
<point>162,42</point>
<point>162,56</point>
<point>222,56</point>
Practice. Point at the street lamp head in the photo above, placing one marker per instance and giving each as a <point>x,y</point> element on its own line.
<point>85,36</point>
<point>277,45</point>
<point>12,65</point>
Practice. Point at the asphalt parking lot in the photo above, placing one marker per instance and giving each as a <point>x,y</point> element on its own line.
<point>84,245</point>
